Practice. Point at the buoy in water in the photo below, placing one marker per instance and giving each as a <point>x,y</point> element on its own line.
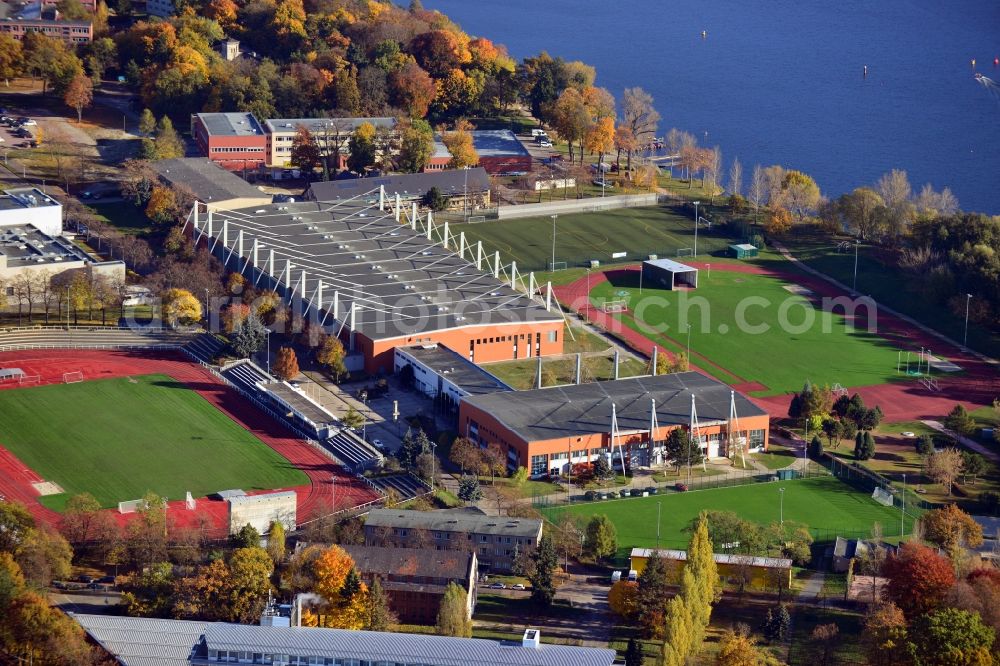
<point>996,61</point>
<point>704,34</point>
<point>865,72</point>
<point>973,62</point>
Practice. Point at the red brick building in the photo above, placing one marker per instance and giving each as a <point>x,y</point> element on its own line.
<point>548,429</point>
<point>234,141</point>
<point>50,25</point>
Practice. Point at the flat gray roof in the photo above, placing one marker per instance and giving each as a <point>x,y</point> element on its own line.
<point>498,143</point>
<point>285,125</point>
<point>300,402</point>
<point>209,182</point>
<point>399,283</point>
<point>456,368</point>
<point>671,265</point>
<point>25,197</point>
<point>377,646</point>
<point>140,641</point>
<point>231,124</point>
<point>451,182</point>
<point>579,409</point>
<point>454,521</point>
<point>26,245</point>
<point>418,562</point>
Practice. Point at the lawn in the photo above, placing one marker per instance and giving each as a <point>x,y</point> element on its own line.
<point>124,216</point>
<point>581,237</point>
<point>522,375</point>
<point>779,338</point>
<point>828,506</point>
<point>119,438</point>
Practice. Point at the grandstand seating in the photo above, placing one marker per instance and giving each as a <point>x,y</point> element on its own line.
<point>205,347</point>
<point>404,484</point>
<point>245,376</point>
<point>354,452</point>
<point>91,338</point>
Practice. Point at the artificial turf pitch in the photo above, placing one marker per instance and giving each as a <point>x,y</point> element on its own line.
<point>826,505</point>
<point>119,438</point>
<point>751,328</point>
<point>581,237</point>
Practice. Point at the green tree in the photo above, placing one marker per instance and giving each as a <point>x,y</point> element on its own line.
<point>361,148</point>
<point>147,123</point>
<point>777,624</point>
<point>545,562</point>
<point>11,58</point>
<point>602,469</point>
<point>959,420</point>
<point>416,145</point>
<point>677,633</point>
<point>859,445</point>
<point>331,356</point>
<point>44,556</point>
<point>276,541</point>
<point>453,615</point>
<point>380,617</point>
<point>600,538</point>
<point>168,142</point>
<point>633,653</point>
<point>408,451</point>
<point>246,537</point>
<point>952,637</point>
<point>434,200</point>
<point>653,594</point>
<point>816,447</point>
<point>16,523</point>
<point>469,490</point>
<point>249,337</point>
<point>833,429</point>
<point>682,450</point>
<point>250,580</point>
<point>925,445</point>
<point>884,638</point>
<point>973,465</point>
<point>352,419</point>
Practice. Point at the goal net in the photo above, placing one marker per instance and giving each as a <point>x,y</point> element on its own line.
<point>685,252</point>
<point>619,305</point>
<point>557,265</point>
<point>838,390</point>
<point>29,380</point>
<point>131,506</point>
<point>72,377</point>
<point>477,219</point>
<point>882,496</point>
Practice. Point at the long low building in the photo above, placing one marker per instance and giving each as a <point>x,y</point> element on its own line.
<point>744,571</point>
<point>549,429</point>
<point>145,642</point>
<point>357,271</point>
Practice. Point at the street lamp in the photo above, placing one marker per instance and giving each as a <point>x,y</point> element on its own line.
<point>781,506</point>
<point>696,203</point>
<point>689,345</point>
<point>856,244</point>
<point>553,266</point>
<point>268,352</point>
<point>965,337</point>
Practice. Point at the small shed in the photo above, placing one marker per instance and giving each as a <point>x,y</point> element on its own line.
<point>743,250</point>
<point>669,274</point>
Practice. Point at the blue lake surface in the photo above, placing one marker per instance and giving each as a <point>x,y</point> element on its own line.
<point>781,82</point>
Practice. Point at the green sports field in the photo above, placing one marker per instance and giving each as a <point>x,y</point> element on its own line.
<point>824,503</point>
<point>776,346</point>
<point>581,237</point>
<point>119,438</point>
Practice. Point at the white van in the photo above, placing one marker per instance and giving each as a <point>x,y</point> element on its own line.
<point>616,576</point>
<point>633,575</point>
<point>537,132</point>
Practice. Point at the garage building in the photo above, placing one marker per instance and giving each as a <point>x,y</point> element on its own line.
<point>669,274</point>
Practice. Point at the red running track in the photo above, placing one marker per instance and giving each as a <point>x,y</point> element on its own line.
<point>315,498</point>
<point>977,386</point>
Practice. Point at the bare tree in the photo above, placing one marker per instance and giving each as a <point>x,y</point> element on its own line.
<point>46,292</point>
<point>736,177</point>
<point>714,169</point>
<point>756,193</point>
<point>894,188</point>
<point>639,116</point>
<point>929,202</point>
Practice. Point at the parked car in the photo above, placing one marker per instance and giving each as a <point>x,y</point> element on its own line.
<point>623,492</point>
<point>652,490</point>
<point>498,586</point>
<point>600,182</point>
<point>26,122</point>
<point>517,586</point>
<point>680,487</point>
<point>106,580</point>
<point>545,142</point>
<point>85,579</point>
<point>635,492</point>
<point>590,495</point>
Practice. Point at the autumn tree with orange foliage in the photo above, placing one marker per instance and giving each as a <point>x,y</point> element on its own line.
<point>778,221</point>
<point>234,315</point>
<point>162,205</point>
<point>286,364</point>
<point>600,138</point>
<point>952,529</point>
<point>919,578</point>
<point>412,89</point>
<point>344,594</point>
<point>79,94</point>
<point>623,598</point>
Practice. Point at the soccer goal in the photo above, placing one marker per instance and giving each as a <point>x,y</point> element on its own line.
<point>131,506</point>
<point>29,380</point>
<point>882,496</point>
<point>557,265</point>
<point>685,252</point>
<point>838,390</point>
<point>619,305</point>
<point>72,377</point>
<point>477,219</point>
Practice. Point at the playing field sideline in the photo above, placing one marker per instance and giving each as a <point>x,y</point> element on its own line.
<point>581,237</point>
<point>119,438</point>
<point>828,506</point>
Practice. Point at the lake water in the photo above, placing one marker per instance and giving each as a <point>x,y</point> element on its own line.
<point>781,82</point>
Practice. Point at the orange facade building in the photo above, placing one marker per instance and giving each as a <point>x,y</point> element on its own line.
<point>547,430</point>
